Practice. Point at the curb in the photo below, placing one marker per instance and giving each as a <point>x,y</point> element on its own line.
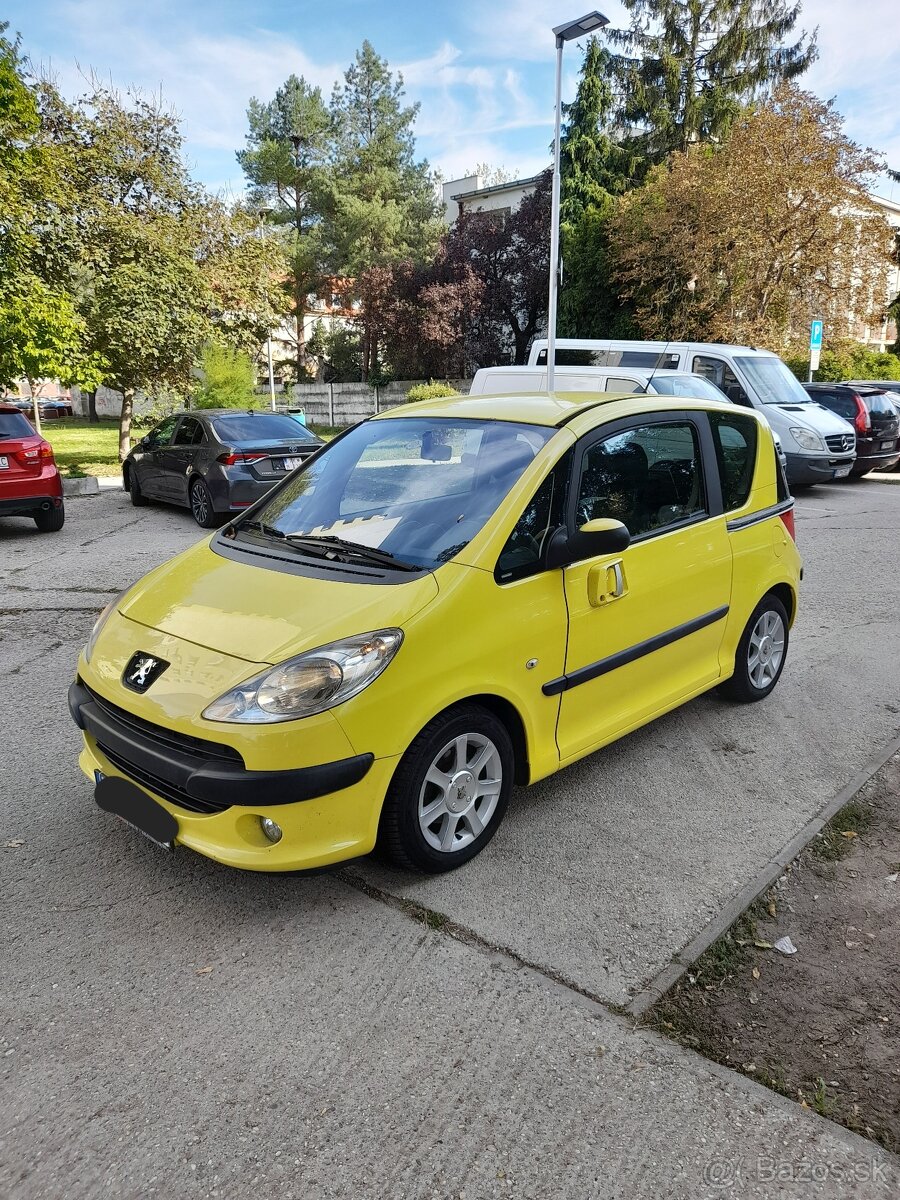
<point>87,485</point>
<point>688,955</point>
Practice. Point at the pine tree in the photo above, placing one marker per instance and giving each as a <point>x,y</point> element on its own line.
<point>285,161</point>
<point>592,165</point>
<point>687,66</point>
<point>385,205</point>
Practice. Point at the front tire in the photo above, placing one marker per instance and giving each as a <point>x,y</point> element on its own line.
<point>50,520</point>
<point>201,506</point>
<point>450,791</point>
<point>761,653</point>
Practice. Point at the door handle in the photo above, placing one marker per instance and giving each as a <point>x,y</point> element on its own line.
<point>606,583</point>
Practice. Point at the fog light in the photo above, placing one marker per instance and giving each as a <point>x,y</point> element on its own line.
<point>271,829</point>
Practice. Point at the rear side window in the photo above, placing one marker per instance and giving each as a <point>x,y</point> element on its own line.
<point>14,425</point>
<point>735,438</point>
<point>841,401</point>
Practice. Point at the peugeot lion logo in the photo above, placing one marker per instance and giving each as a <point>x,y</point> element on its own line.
<point>142,670</point>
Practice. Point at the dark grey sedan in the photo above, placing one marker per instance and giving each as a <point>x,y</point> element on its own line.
<point>216,461</point>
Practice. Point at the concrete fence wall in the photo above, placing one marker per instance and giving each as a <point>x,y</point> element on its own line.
<point>335,404</point>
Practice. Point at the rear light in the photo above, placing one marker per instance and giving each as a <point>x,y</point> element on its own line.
<point>862,422</point>
<point>46,453</point>
<point>788,519</point>
<point>33,456</point>
<point>228,460</point>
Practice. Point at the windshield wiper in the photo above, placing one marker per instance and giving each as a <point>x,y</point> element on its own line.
<point>316,543</point>
<point>261,527</point>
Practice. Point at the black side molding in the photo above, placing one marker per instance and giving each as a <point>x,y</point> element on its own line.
<point>774,510</point>
<point>604,665</point>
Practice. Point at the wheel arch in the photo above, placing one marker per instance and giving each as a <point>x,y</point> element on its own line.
<point>509,715</point>
<point>785,593</point>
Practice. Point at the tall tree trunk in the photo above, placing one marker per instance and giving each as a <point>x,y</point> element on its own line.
<point>92,407</point>
<point>125,423</point>
<point>35,406</point>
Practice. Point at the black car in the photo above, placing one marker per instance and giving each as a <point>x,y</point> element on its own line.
<point>871,413</point>
<point>216,461</point>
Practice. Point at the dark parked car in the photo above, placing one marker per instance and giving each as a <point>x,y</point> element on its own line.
<point>216,461</point>
<point>30,485</point>
<point>872,414</point>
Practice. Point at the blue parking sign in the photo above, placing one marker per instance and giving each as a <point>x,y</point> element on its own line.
<point>815,335</point>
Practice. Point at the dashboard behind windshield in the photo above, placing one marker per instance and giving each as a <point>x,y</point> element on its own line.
<point>418,489</point>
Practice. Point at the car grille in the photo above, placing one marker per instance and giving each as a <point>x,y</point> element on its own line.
<point>841,443</point>
<point>189,748</point>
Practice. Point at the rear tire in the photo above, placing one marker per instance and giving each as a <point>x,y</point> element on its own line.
<point>138,499</point>
<point>50,520</point>
<point>761,653</point>
<point>450,791</point>
<point>201,506</point>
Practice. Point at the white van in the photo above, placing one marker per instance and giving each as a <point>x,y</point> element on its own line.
<point>502,381</point>
<point>818,444</point>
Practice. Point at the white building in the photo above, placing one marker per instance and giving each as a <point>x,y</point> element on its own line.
<point>471,195</point>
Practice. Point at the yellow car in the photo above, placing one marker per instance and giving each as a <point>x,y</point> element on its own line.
<point>447,599</point>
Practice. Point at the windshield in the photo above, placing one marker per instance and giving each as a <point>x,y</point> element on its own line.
<point>260,427</point>
<point>694,386</point>
<point>418,488</point>
<point>772,381</point>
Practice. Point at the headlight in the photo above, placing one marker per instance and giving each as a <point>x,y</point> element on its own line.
<point>98,625</point>
<point>309,683</point>
<point>807,440</point>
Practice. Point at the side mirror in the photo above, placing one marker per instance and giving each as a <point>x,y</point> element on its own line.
<point>601,536</point>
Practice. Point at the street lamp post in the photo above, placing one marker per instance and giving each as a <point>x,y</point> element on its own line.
<point>263,213</point>
<point>563,33</point>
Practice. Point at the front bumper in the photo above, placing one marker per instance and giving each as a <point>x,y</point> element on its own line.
<point>328,812</point>
<point>804,469</point>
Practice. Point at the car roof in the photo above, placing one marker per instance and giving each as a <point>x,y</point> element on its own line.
<point>544,408</point>
<point>864,387</point>
<point>634,343</point>
<point>6,407</point>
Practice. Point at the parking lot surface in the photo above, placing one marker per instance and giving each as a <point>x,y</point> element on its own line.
<point>174,1028</point>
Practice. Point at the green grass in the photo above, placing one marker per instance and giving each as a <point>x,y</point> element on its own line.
<point>854,818</point>
<point>81,448</point>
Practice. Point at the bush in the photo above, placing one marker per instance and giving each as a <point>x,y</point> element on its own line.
<point>229,378</point>
<point>161,408</point>
<point>430,391</point>
<point>847,360</point>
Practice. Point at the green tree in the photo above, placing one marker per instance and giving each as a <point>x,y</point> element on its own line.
<point>688,66</point>
<point>40,332</point>
<point>385,206</point>
<point>701,262</point>
<point>229,378</point>
<point>595,169</point>
<point>286,164</point>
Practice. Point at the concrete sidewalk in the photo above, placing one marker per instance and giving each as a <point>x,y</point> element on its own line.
<point>172,1028</point>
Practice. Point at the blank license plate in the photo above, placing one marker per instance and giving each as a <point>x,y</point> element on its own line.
<point>132,805</point>
<point>884,445</point>
<point>4,463</point>
<point>840,472</point>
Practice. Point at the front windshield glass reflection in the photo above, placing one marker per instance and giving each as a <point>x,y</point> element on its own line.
<point>416,488</point>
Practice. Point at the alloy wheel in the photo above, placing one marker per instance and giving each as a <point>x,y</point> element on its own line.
<point>766,649</point>
<point>199,503</point>
<point>460,793</point>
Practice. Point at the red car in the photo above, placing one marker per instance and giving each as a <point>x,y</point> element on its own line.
<point>30,484</point>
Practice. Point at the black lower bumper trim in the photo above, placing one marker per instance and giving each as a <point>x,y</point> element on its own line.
<point>197,780</point>
<point>25,506</point>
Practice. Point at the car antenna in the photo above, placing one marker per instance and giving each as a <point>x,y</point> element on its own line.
<point>656,366</point>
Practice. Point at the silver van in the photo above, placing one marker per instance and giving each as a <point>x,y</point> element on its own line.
<point>818,444</point>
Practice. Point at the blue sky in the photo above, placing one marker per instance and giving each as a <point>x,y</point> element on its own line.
<point>482,70</point>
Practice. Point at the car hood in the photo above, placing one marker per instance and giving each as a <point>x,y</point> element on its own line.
<point>816,417</point>
<point>263,615</point>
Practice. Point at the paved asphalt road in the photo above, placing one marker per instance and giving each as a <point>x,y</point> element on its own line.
<point>171,1028</point>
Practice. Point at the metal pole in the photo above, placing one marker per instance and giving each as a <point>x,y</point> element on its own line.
<point>271,372</point>
<point>554,226</point>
